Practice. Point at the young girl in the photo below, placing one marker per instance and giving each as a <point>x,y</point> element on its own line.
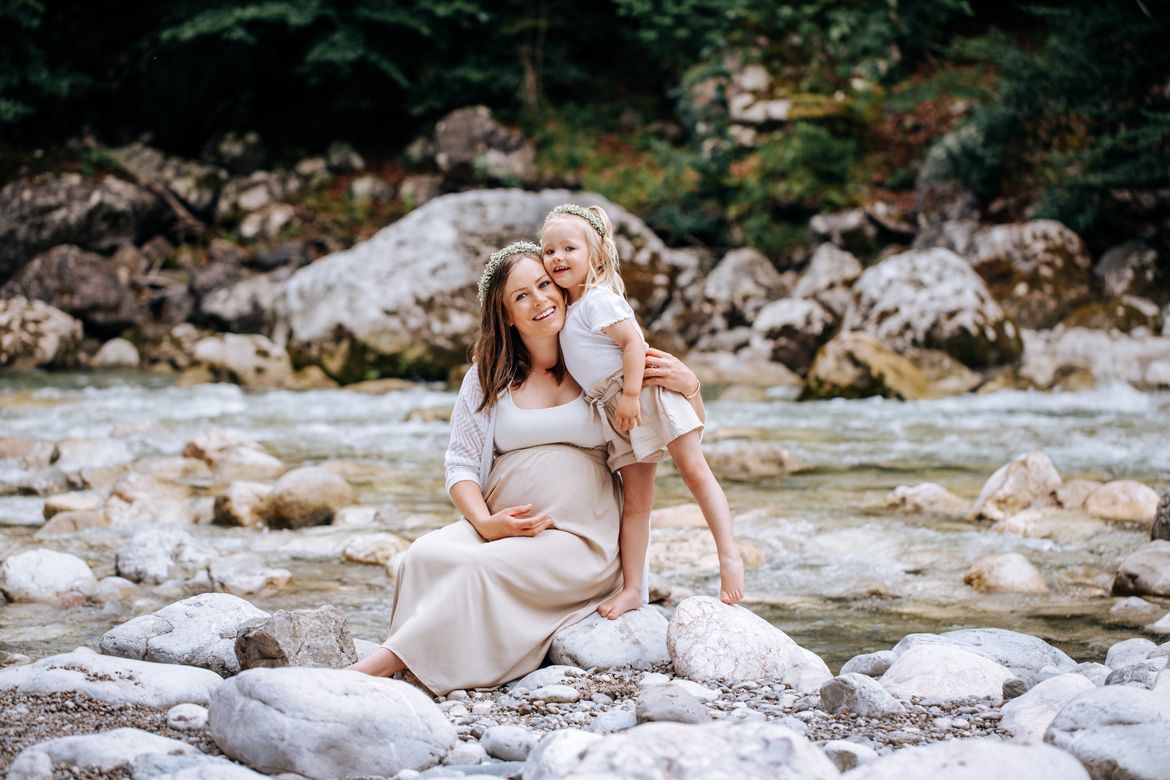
<point>604,351</point>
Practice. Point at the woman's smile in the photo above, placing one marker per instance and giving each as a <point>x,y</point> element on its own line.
<point>548,312</point>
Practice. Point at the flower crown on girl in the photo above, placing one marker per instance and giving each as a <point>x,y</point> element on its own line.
<point>497,258</point>
<point>578,211</point>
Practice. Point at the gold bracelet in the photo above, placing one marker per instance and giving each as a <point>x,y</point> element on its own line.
<point>698,387</point>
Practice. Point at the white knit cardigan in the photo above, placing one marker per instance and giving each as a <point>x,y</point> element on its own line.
<point>472,446</point>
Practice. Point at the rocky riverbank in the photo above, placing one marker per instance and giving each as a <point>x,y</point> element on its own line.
<point>120,269</point>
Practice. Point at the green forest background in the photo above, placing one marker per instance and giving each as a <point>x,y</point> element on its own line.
<point>1049,109</point>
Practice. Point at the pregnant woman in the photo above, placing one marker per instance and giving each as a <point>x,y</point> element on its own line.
<point>477,603</point>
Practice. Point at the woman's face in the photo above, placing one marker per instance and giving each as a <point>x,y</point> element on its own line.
<point>532,301</point>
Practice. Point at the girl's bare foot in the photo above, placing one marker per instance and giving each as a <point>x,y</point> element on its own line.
<point>380,663</point>
<point>621,603</point>
<point>730,579</point>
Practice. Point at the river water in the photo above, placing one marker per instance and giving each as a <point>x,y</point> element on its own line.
<point>840,573</point>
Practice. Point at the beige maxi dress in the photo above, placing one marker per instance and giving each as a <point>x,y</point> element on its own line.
<point>471,613</point>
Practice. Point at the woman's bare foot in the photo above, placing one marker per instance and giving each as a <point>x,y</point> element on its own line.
<point>629,598</point>
<point>380,663</point>
<point>730,579</point>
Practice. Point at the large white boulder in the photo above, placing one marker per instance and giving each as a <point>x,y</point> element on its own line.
<point>828,278</point>
<point>1027,480</point>
<point>34,334</point>
<point>44,575</point>
<point>946,672</point>
<point>327,723</point>
<point>972,759</point>
<point>857,364</point>
<point>1021,653</point>
<point>101,754</point>
<point>115,680</point>
<point>406,297</point>
<point>708,640</point>
<point>1117,731</point>
<point>1145,571</point>
<point>154,555</point>
<point>1039,269</point>
<point>791,329</point>
<point>198,631</point>
<point>305,496</point>
<point>1128,652</point>
<point>637,638</point>
<point>931,298</point>
<point>250,360</point>
<point>653,751</point>
<point>1027,716</point>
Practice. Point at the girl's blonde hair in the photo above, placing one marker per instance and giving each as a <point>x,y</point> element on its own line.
<point>604,266</point>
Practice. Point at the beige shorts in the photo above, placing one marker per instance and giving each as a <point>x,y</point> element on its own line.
<point>666,415</point>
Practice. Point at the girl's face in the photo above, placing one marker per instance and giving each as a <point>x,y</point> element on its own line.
<point>566,253</point>
<point>532,302</point>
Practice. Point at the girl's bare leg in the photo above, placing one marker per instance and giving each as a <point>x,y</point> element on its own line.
<point>634,539</point>
<point>692,466</point>
<point>380,663</point>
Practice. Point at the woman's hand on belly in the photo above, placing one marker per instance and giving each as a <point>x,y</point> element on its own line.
<point>513,521</point>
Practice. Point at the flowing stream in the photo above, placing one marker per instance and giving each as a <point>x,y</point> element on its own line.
<point>840,573</point>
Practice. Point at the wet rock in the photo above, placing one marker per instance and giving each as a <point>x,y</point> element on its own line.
<point>508,743</point>
<point>239,504</point>
<point>306,496</point>
<point>1145,572</point>
<point>1135,611</point>
<point>932,298</point>
<point>104,753</point>
<point>44,575</point>
<point>869,664</point>
<point>155,555</point>
<point>303,637</point>
<point>709,640</point>
<point>1027,716</point>
<point>470,144</point>
<point>724,749</point>
<point>859,694</point>
<point>1123,500</point>
<point>252,714</point>
<point>116,353</point>
<point>1115,732</point>
<point>791,329</point>
<point>857,364</point>
<point>746,461</point>
<point>1046,522</point>
<point>198,631</point>
<point>1039,270</point>
<point>927,498</point>
<point>66,208</point>
<point>669,703</point>
<point>374,549</point>
<point>33,334</point>
<point>209,446</point>
<point>945,672</point>
<point>248,360</point>
<point>973,759</point>
<point>829,278</point>
<point>1005,573</point>
<point>1141,361</point>
<point>30,452</point>
<point>246,574</point>
<point>1020,653</point>
<point>115,680</point>
<point>847,755</point>
<point>1028,480</point>
<point>405,300</point>
<point>79,283</point>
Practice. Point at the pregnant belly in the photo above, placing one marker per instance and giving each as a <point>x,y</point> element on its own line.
<point>571,484</point>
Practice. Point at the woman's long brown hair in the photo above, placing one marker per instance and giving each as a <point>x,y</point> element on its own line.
<point>502,359</point>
